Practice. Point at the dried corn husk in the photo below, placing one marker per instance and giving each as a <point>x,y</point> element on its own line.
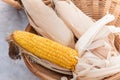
<point>47,64</point>
<point>101,59</point>
<point>104,46</point>
<point>91,67</point>
<point>86,39</point>
<point>100,74</point>
<point>104,41</point>
<point>45,21</point>
<point>74,18</point>
<point>106,31</point>
<point>88,60</point>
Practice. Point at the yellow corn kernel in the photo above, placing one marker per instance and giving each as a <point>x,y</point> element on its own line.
<point>46,49</point>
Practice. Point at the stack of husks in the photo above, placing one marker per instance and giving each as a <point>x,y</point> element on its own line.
<point>94,56</point>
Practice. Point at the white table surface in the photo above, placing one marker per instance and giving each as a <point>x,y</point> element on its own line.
<point>10,20</point>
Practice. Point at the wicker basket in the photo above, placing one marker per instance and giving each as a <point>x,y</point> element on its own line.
<point>93,8</point>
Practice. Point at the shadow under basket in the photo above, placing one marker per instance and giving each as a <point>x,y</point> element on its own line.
<point>93,8</point>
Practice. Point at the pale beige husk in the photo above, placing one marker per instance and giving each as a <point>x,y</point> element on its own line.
<point>100,59</point>
<point>105,45</point>
<point>86,39</point>
<point>74,18</point>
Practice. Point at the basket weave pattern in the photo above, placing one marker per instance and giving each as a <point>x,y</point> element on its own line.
<point>98,8</point>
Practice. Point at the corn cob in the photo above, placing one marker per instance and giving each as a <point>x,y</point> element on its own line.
<point>46,49</point>
<point>46,22</point>
<point>74,18</point>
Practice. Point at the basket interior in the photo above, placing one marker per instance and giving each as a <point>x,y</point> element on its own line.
<point>98,8</point>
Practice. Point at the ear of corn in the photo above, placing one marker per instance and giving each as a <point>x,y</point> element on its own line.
<point>74,18</point>
<point>46,49</point>
<point>45,21</point>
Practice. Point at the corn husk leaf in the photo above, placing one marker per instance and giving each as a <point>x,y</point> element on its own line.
<point>98,68</point>
<point>47,64</point>
<point>106,31</point>
<point>104,46</point>
<point>101,73</point>
<point>86,39</point>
